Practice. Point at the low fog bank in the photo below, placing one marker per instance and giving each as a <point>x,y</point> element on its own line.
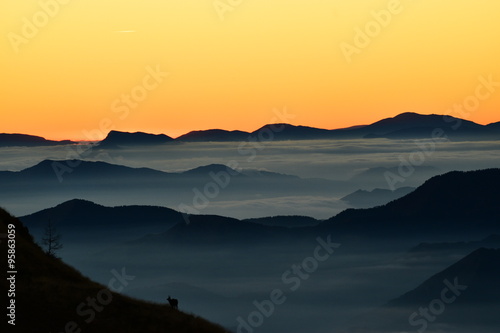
<point>224,283</point>
<point>336,160</point>
<point>233,285</point>
<point>358,164</point>
<point>223,286</point>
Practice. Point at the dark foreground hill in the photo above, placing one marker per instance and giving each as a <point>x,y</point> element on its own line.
<point>51,296</point>
<point>464,297</point>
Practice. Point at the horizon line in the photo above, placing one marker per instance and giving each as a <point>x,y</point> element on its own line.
<point>229,130</point>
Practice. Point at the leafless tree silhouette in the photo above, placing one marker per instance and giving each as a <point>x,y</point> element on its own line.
<point>51,240</point>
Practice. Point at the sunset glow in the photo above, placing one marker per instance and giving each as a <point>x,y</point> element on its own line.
<point>68,66</point>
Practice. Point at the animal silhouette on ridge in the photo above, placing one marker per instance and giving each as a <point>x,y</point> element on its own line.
<point>173,302</point>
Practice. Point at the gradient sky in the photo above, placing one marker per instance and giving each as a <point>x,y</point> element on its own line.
<point>231,73</point>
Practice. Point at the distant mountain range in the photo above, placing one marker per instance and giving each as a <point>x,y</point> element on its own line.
<point>48,294</point>
<point>77,217</point>
<point>439,209</point>
<point>407,125</point>
<point>82,170</point>
<point>96,181</point>
<point>403,126</point>
<point>79,170</point>
<point>455,205</point>
<point>7,140</point>
<point>462,298</point>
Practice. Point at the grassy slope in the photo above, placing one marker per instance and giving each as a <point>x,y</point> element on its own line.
<point>48,292</point>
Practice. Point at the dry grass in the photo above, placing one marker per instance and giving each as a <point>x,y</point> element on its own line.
<point>48,292</point>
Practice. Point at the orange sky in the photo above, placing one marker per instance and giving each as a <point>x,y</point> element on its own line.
<point>67,67</point>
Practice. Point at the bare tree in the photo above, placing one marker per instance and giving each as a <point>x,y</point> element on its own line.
<point>51,240</point>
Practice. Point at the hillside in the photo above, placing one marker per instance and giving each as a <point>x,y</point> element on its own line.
<point>49,292</point>
<point>78,213</point>
<point>455,203</point>
<point>285,221</point>
<point>213,230</point>
<point>467,289</point>
<point>80,220</point>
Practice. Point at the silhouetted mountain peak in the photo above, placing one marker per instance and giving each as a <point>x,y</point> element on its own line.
<point>78,203</point>
<point>280,126</point>
<point>414,119</point>
<point>283,131</point>
<point>43,168</point>
<point>75,169</point>
<point>117,138</point>
<point>78,213</point>
<point>206,169</point>
<point>414,125</point>
<point>213,135</point>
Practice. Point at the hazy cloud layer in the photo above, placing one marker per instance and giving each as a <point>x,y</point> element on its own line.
<point>337,160</point>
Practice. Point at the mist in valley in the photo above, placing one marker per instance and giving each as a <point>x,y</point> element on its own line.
<point>232,283</point>
<point>349,165</point>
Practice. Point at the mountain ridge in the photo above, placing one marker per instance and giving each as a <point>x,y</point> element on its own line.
<point>406,125</point>
<point>26,140</point>
<point>466,292</point>
<point>425,209</point>
<point>438,207</point>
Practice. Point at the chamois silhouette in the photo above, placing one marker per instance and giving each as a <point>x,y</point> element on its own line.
<point>173,302</point>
